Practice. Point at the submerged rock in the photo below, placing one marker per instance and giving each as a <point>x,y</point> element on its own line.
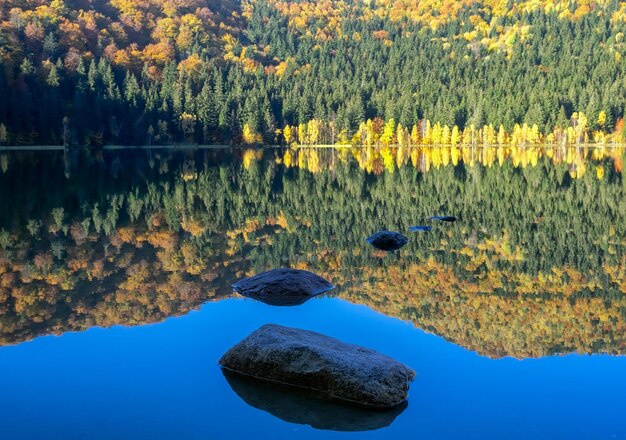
<point>444,218</point>
<point>304,407</point>
<point>420,228</point>
<point>283,287</point>
<point>387,240</point>
<point>312,361</point>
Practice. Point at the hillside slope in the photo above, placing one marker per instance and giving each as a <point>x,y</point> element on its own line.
<point>90,72</point>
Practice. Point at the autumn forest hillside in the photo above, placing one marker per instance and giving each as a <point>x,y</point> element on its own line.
<point>94,72</point>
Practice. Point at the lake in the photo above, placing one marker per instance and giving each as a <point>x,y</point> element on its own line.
<point>116,267</point>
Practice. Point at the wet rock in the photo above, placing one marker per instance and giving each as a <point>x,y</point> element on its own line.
<point>294,405</point>
<point>283,287</point>
<point>312,361</point>
<point>387,240</point>
<point>444,218</point>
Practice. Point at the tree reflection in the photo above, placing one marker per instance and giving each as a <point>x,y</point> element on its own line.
<point>535,265</point>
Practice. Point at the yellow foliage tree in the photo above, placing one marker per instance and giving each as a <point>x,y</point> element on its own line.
<point>388,135</point>
<point>455,137</point>
<point>415,135</point>
<point>288,134</point>
<point>250,136</point>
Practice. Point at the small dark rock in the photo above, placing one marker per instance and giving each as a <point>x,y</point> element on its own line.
<point>444,218</point>
<point>283,287</point>
<point>295,405</point>
<point>387,240</point>
<point>312,361</point>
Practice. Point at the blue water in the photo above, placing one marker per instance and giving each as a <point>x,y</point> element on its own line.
<point>162,381</point>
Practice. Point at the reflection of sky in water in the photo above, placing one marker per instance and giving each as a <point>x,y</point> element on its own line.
<point>162,381</point>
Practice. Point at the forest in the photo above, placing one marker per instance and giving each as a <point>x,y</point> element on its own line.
<point>144,72</point>
<point>130,237</point>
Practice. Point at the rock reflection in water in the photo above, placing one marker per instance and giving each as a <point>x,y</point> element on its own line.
<point>308,408</point>
<point>283,287</point>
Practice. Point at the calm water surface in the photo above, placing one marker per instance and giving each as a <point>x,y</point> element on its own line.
<point>115,302</point>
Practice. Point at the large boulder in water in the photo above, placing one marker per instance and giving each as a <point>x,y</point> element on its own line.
<point>312,361</point>
<point>387,240</point>
<point>283,287</point>
<point>304,407</point>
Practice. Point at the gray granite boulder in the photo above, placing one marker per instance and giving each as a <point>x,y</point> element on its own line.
<point>387,240</point>
<point>312,361</point>
<point>283,287</point>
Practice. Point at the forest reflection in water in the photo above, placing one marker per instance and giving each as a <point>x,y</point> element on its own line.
<point>535,265</point>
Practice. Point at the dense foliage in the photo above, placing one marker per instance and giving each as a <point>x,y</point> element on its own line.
<point>88,72</point>
<point>536,264</point>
